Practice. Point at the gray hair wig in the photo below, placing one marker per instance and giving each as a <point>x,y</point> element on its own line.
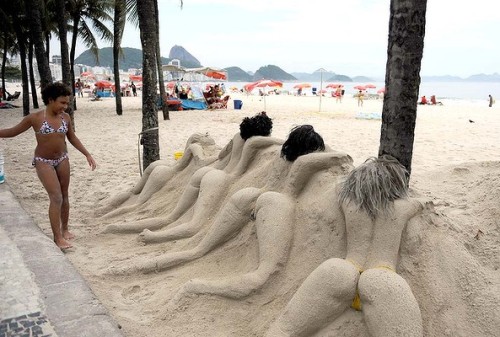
<point>375,184</point>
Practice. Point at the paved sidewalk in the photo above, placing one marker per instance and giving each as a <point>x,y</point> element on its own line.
<point>41,293</point>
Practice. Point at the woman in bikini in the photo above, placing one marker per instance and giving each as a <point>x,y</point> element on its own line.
<point>52,126</point>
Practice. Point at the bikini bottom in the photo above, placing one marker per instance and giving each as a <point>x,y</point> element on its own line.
<point>52,162</point>
<point>356,302</point>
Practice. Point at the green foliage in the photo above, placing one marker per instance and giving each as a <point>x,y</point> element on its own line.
<point>12,73</point>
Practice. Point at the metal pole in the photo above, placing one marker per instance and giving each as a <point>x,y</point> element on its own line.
<point>320,89</point>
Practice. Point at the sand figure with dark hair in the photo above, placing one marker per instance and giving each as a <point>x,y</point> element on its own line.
<point>374,201</point>
<point>199,151</point>
<point>271,207</point>
<point>208,185</point>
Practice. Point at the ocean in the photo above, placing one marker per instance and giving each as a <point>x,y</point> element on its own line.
<point>470,91</point>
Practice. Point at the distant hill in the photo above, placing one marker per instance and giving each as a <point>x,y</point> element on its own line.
<point>271,72</point>
<point>181,54</point>
<point>132,58</point>
<point>340,78</point>
<point>236,74</point>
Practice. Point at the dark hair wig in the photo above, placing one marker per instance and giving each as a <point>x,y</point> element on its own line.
<point>55,90</point>
<point>374,185</point>
<point>302,140</point>
<point>258,125</point>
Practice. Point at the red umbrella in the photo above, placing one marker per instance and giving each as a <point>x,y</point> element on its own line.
<point>302,85</point>
<point>86,74</point>
<point>360,87</point>
<point>262,84</point>
<point>381,91</point>
<point>370,86</point>
<point>137,78</point>
<point>334,85</point>
<point>103,84</point>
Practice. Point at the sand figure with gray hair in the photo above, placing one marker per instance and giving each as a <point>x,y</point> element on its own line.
<point>208,185</point>
<point>271,207</point>
<point>199,152</point>
<point>376,207</point>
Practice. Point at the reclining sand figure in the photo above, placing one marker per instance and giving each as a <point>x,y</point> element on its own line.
<point>374,201</point>
<point>272,208</point>
<point>198,151</point>
<point>208,185</point>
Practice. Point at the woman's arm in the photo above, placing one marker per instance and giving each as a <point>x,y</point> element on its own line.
<point>75,141</point>
<point>24,125</point>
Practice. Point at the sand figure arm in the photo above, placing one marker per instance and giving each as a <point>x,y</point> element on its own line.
<point>274,214</point>
<point>306,166</point>
<point>230,219</point>
<point>251,149</point>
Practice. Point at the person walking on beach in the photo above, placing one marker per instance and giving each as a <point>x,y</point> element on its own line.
<point>491,101</point>
<point>360,98</point>
<point>134,89</point>
<point>79,88</point>
<point>52,126</point>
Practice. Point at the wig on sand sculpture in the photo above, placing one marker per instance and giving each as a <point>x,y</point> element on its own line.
<point>284,238</point>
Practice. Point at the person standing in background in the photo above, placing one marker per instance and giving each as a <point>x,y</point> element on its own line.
<point>491,101</point>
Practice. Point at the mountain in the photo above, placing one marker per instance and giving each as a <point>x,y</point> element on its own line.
<point>236,74</point>
<point>272,72</point>
<point>181,54</point>
<point>132,58</point>
<point>495,77</point>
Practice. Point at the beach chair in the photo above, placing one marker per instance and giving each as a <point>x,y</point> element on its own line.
<point>14,96</point>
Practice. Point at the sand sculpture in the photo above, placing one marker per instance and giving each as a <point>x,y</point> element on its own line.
<point>208,185</point>
<point>376,209</point>
<point>371,210</point>
<point>199,151</point>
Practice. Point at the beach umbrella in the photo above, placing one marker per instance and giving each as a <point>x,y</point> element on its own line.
<point>263,84</point>
<point>103,84</point>
<point>334,85</point>
<point>381,91</point>
<point>370,86</point>
<point>137,78</point>
<point>302,85</point>
<point>360,87</point>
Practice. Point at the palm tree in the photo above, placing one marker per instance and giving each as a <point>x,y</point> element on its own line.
<point>118,27</point>
<point>402,79</point>
<point>36,32</point>
<point>95,12</point>
<point>164,105</point>
<point>151,148</point>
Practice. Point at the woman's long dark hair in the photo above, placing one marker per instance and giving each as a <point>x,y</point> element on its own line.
<point>302,140</point>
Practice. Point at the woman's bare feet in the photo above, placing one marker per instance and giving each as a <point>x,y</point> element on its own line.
<point>62,243</point>
<point>68,235</point>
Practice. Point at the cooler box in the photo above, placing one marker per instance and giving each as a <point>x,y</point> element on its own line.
<point>238,104</point>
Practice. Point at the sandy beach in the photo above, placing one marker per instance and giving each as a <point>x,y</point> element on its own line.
<point>451,264</point>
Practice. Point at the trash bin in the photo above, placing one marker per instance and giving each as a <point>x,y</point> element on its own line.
<point>238,104</point>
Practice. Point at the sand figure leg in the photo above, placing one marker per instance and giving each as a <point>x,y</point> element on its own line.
<point>389,306</point>
<point>325,294</point>
<point>136,226</point>
<point>274,218</point>
<point>155,182</point>
<point>211,190</point>
<point>231,218</point>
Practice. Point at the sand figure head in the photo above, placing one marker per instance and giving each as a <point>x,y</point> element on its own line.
<point>258,125</point>
<point>375,184</point>
<point>201,138</point>
<point>301,140</point>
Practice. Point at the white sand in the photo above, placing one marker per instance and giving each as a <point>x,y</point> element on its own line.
<point>452,263</point>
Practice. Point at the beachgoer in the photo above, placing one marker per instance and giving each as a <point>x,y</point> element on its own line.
<point>375,205</point>
<point>361,96</point>
<point>134,88</point>
<point>491,101</point>
<point>79,88</point>
<point>423,100</point>
<point>52,127</point>
<point>338,94</point>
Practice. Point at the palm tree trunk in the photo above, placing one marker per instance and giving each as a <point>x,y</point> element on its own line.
<point>66,72</point>
<point>151,147</point>
<point>33,11</point>
<point>402,79</point>
<point>34,96</point>
<point>76,22</point>
<point>164,105</point>
<point>118,26</point>
<point>4,62</point>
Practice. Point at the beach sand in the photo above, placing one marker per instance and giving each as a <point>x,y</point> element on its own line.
<point>451,261</point>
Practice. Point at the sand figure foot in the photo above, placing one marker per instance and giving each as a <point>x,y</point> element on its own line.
<point>182,231</point>
<point>136,226</point>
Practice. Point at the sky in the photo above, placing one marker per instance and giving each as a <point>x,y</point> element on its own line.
<point>346,37</point>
